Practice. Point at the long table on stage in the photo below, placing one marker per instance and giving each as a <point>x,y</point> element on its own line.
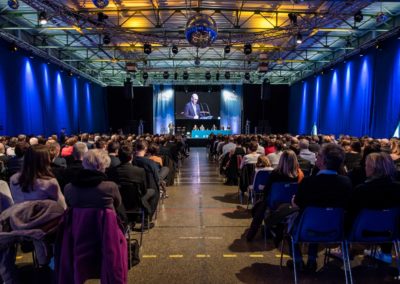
<point>199,134</point>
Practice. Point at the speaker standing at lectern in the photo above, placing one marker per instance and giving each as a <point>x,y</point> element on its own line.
<point>192,109</point>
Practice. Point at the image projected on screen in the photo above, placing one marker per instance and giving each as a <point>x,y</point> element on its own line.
<point>197,105</point>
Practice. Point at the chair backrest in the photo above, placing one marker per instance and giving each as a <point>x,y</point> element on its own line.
<point>375,226</point>
<point>320,225</point>
<point>281,192</point>
<point>131,195</point>
<point>260,178</point>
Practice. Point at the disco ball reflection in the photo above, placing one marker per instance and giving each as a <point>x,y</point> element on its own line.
<point>201,30</point>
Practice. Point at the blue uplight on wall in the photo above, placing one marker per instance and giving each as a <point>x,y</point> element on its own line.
<point>31,104</point>
<point>88,107</point>
<point>163,108</point>
<point>303,114</point>
<point>231,106</point>
<point>44,100</point>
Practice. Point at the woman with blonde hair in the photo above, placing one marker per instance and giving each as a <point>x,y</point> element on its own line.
<point>288,170</point>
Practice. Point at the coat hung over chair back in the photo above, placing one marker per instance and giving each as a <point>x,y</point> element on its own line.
<point>91,245</point>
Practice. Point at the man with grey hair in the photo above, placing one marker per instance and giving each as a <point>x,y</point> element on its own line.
<point>305,153</point>
<point>33,141</point>
<point>192,109</point>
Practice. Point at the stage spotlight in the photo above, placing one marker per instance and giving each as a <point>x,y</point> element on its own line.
<point>42,18</point>
<point>13,4</point>
<point>217,76</point>
<point>227,75</point>
<point>31,55</point>
<point>13,47</point>
<point>227,49</point>
<point>175,49</point>
<point>358,17</point>
<point>145,75</point>
<point>299,38</point>
<point>185,75</point>
<point>166,75</point>
<point>176,76</point>
<point>106,39</point>
<point>100,3</point>
<point>208,75</point>
<point>247,49</point>
<point>247,76</point>
<point>101,17</point>
<point>293,19</point>
<point>147,48</point>
<point>197,61</point>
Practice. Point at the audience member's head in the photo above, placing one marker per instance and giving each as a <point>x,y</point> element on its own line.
<point>21,148</point>
<point>33,141</point>
<point>125,153</point>
<point>2,149</point>
<point>141,146</point>
<point>263,162</point>
<point>379,165</point>
<point>79,151</point>
<point>54,150</point>
<point>36,165</point>
<point>304,144</point>
<point>288,164</point>
<point>330,157</point>
<point>355,146</point>
<point>96,160</point>
<point>153,149</point>
<point>112,147</point>
<point>21,138</point>
<point>253,146</point>
<point>278,145</point>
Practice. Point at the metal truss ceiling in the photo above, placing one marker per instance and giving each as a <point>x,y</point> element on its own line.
<point>73,37</point>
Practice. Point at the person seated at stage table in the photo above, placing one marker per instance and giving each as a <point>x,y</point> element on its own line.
<point>213,127</point>
<point>195,127</point>
<point>202,127</point>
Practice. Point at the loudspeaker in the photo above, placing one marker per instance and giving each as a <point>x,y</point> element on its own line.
<point>265,90</point>
<point>128,90</point>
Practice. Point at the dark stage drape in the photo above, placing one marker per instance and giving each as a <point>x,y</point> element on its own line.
<point>358,97</point>
<point>37,98</point>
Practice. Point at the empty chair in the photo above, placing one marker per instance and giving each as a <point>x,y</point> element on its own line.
<point>319,226</point>
<point>257,188</point>
<point>376,227</point>
<point>281,192</point>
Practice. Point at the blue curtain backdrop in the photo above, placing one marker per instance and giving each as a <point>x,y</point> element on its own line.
<point>163,108</point>
<point>231,107</point>
<point>36,98</point>
<point>359,97</point>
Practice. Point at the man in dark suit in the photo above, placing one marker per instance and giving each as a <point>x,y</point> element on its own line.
<point>192,109</point>
<point>126,172</point>
<point>151,169</point>
<point>326,189</point>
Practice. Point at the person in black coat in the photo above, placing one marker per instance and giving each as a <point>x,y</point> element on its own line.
<point>326,189</point>
<point>126,172</point>
<point>379,191</point>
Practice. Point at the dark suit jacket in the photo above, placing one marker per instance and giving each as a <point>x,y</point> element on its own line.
<point>128,173</point>
<point>324,191</point>
<point>189,111</point>
<point>151,169</point>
